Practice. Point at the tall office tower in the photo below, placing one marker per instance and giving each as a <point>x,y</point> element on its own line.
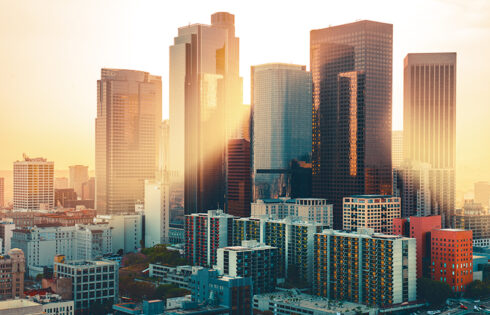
<point>365,267</point>
<point>252,259</point>
<point>238,177</point>
<point>2,192</point>
<point>88,189</point>
<point>204,234</point>
<point>205,102</point>
<point>429,121</point>
<point>157,212</point>
<point>310,209</point>
<point>351,66</point>
<point>482,193</point>
<point>12,269</point>
<point>163,166</point>
<point>371,211</point>
<point>452,258</point>
<point>61,183</point>
<point>33,184</point>
<point>129,114</point>
<point>411,182</point>
<point>281,126</point>
<point>78,176</point>
<point>396,148</point>
<point>419,228</point>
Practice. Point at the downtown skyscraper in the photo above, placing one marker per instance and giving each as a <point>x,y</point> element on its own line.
<point>429,122</point>
<point>281,126</point>
<point>351,67</point>
<point>127,128</point>
<point>205,99</point>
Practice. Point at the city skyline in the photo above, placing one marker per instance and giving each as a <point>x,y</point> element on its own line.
<point>468,31</point>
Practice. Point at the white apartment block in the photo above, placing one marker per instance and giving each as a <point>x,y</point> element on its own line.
<point>33,184</point>
<point>127,231</point>
<point>311,209</point>
<point>6,232</point>
<point>370,211</point>
<point>157,212</point>
<point>41,244</point>
<point>53,304</point>
<point>180,275</point>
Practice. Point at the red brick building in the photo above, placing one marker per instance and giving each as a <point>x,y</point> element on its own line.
<point>452,257</point>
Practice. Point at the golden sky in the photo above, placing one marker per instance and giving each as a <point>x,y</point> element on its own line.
<point>52,51</point>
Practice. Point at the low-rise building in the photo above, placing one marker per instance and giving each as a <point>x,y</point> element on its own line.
<point>179,276</point>
<point>153,307</point>
<point>127,231</point>
<point>20,306</point>
<point>93,281</point>
<point>52,303</point>
<point>6,228</point>
<point>12,269</point>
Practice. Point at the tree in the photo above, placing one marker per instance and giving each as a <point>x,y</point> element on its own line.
<point>434,292</point>
<point>100,308</point>
<point>120,252</point>
<point>39,277</point>
<point>478,289</point>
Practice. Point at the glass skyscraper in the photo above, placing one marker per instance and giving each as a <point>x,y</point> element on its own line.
<point>351,67</point>
<point>127,134</point>
<point>205,99</point>
<point>281,126</point>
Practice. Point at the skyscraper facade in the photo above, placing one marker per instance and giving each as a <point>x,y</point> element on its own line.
<point>429,121</point>
<point>482,193</point>
<point>78,176</point>
<point>205,99</point>
<point>129,114</point>
<point>2,191</point>
<point>396,148</point>
<point>238,178</point>
<point>33,184</point>
<point>157,212</point>
<point>281,126</point>
<point>351,67</point>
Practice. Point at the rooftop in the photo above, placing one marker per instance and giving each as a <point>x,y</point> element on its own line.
<point>18,303</point>
<point>87,263</point>
<point>371,196</point>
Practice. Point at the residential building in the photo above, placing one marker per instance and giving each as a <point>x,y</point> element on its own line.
<point>452,258</point>
<point>478,224</point>
<point>127,231</point>
<point>204,105</point>
<point>20,306</point>
<point>281,126</point>
<point>371,211</point>
<point>365,267</point>
<point>179,275</point>
<point>204,234</point>
<point>293,301</point>
<point>41,244</point>
<point>419,228</point>
<point>12,269</point>
<point>471,207</point>
<point>6,228</point>
<point>238,178</point>
<point>2,192</point>
<point>52,303</point>
<point>411,182</point>
<point>311,209</point>
<point>176,235</point>
<point>246,229</point>
<point>396,148</point>
<point>63,195</point>
<point>234,292</point>
<point>157,212</point>
<point>33,184</point>
<point>252,259</point>
<point>93,281</point>
<point>430,85</point>
<point>129,114</point>
<point>61,183</point>
<point>78,176</point>
<point>482,193</point>
<point>351,66</point>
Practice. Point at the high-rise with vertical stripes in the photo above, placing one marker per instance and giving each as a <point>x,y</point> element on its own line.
<point>429,122</point>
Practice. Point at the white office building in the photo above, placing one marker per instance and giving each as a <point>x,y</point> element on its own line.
<point>157,212</point>
<point>127,231</point>
<point>311,209</point>
<point>6,232</point>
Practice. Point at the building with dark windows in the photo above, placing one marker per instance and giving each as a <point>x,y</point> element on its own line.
<point>205,107</point>
<point>429,122</point>
<point>365,267</point>
<point>452,258</point>
<point>129,114</point>
<point>351,67</point>
<point>238,178</point>
<point>61,196</point>
<point>281,129</point>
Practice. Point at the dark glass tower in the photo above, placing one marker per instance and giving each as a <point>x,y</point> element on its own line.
<point>351,67</point>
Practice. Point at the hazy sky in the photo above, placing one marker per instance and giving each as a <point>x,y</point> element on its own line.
<point>51,53</point>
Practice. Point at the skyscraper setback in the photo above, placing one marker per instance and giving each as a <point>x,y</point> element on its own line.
<point>281,120</point>
<point>205,102</point>
<point>351,67</point>
<point>429,122</point>
<point>129,115</point>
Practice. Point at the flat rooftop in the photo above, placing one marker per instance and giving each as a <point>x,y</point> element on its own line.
<point>18,303</point>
